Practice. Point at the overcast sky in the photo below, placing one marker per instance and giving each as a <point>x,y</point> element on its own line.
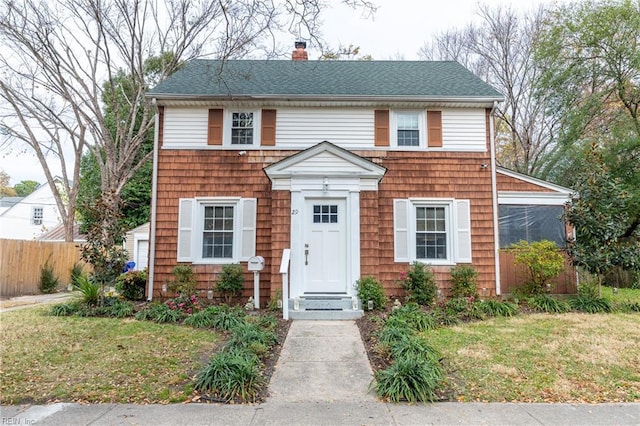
<point>397,31</point>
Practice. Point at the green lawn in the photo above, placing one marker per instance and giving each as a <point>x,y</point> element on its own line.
<point>46,358</point>
<point>540,357</point>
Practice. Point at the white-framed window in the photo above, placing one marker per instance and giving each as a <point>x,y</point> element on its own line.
<point>37,214</point>
<point>408,129</point>
<point>435,231</point>
<point>243,128</point>
<point>216,229</point>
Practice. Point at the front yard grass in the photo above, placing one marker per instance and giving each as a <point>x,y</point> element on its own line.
<point>47,358</point>
<point>571,357</point>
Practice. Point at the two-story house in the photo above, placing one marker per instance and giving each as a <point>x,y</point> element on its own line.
<point>358,167</point>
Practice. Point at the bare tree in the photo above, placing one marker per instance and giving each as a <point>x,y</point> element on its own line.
<point>500,51</point>
<point>73,73</point>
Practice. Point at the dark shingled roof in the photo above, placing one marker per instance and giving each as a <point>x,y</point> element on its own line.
<point>324,79</point>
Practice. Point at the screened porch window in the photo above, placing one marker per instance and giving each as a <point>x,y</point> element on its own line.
<point>531,223</point>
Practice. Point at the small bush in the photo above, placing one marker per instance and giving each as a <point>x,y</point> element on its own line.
<point>77,270</point>
<point>496,308</point>
<point>464,281</point>
<point>410,379</point>
<point>420,284</point>
<point>275,303</point>
<point>89,291</point>
<point>591,305</point>
<point>369,288</point>
<point>543,261</point>
<point>231,375</point>
<point>131,285</point>
<point>48,280</point>
<point>414,316</point>
<point>184,280</point>
<point>231,281</point>
<point>185,303</point>
<point>547,303</point>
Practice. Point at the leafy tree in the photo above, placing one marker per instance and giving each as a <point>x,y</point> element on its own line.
<point>25,187</point>
<point>607,236</point>
<point>5,189</point>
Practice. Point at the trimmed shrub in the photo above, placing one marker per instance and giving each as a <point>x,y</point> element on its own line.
<point>184,280</point>
<point>411,379</point>
<point>547,303</point>
<point>464,281</point>
<point>48,280</point>
<point>369,288</point>
<point>131,285</point>
<point>420,284</point>
<point>231,281</point>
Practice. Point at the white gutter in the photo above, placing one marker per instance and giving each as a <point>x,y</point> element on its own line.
<point>494,189</point>
<point>154,193</point>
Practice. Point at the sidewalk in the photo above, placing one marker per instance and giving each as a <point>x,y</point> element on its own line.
<point>322,378</point>
<point>21,302</point>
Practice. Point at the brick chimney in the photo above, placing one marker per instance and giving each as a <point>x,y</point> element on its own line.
<point>300,54</point>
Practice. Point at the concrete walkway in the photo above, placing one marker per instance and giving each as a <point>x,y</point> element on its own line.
<point>21,302</point>
<point>322,361</point>
<point>322,378</point>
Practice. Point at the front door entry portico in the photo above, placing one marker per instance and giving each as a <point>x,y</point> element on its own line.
<point>325,246</point>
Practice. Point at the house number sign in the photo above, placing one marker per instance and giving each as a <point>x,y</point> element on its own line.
<point>294,212</point>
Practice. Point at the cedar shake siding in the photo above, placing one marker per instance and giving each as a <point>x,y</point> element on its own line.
<point>195,173</point>
<point>511,184</point>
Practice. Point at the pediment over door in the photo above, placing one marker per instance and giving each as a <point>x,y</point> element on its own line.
<point>322,162</point>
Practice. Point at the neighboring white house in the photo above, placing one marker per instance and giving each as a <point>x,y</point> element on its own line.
<point>30,217</point>
<point>137,245</point>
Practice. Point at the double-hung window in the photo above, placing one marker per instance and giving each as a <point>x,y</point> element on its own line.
<point>37,214</point>
<point>217,232</point>
<point>216,229</point>
<point>242,128</point>
<point>408,128</point>
<point>432,230</point>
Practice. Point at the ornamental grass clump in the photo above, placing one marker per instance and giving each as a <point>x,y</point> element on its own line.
<point>411,379</point>
<point>497,308</point>
<point>413,316</point>
<point>231,375</point>
<point>547,303</point>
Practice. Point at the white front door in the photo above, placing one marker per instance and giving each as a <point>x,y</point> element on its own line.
<point>325,246</point>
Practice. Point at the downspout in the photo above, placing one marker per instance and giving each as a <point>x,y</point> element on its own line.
<point>494,189</point>
<point>154,190</point>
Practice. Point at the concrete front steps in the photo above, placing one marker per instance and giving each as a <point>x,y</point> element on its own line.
<point>324,307</point>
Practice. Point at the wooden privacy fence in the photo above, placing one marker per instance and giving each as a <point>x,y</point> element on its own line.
<point>21,263</point>
<point>513,276</point>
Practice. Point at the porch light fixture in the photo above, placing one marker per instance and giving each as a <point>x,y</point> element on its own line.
<point>325,184</point>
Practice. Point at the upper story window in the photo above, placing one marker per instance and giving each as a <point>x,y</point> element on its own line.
<point>242,128</point>
<point>37,214</point>
<point>408,129</point>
